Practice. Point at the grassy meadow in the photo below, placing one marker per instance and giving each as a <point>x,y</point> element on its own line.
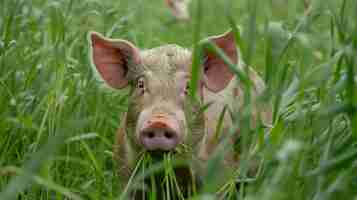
<point>58,121</point>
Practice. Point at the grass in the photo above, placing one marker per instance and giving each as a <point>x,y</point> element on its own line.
<point>57,122</point>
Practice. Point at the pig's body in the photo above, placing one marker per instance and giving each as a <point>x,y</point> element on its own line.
<point>232,97</point>
<point>159,116</point>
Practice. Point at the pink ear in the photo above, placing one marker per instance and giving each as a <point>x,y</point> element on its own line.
<point>217,74</point>
<point>112,59</point>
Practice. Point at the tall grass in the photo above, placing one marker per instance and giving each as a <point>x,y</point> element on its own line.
<point>57,122</point>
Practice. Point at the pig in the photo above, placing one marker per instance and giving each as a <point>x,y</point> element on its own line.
<point>179,9</point>
<point>160,116</point>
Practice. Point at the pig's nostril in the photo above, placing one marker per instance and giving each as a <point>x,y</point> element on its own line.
<point>150,134</point>
<point>168,135</point>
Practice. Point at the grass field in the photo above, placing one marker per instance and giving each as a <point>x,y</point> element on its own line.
<point>58,122</point>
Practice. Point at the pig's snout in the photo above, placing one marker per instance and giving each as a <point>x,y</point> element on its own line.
<point>160,133</point>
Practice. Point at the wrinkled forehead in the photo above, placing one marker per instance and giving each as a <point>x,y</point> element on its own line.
<point>166,60</point>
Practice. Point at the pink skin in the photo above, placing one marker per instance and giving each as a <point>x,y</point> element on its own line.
<point>161,124</point>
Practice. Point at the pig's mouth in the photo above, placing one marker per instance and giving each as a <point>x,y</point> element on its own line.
<point>179,152</point>
<point>160,154</point>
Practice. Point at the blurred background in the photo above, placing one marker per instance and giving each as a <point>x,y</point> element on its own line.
<point>58,122</point>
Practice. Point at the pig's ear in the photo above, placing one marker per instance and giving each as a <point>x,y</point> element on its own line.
<point>217,74</point>
<point>112,59</point>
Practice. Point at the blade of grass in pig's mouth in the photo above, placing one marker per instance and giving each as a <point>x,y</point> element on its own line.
<point>167,167</point>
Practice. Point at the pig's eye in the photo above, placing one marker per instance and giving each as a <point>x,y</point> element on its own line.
<point>140,86</point>
<point>187,88</point>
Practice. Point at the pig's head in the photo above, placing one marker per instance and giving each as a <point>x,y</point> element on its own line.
<point>157,117</point>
